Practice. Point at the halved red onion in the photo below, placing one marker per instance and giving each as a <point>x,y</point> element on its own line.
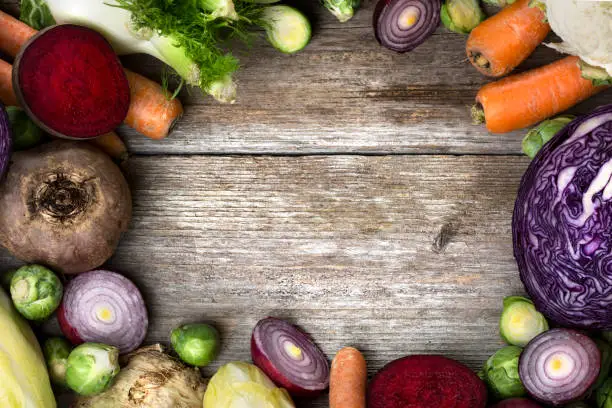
<point>103,307</point>
<point>559,366</point>
<point>403,25</point>
<point>289,357</point>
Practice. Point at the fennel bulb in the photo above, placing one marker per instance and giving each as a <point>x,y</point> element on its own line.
<point>24,382</point>
<point>191,49</point>
<point>585,28</point>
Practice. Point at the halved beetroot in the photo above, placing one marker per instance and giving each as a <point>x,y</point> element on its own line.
<point>425,381</point>
<point>517,403</point>
<point>71,83</point>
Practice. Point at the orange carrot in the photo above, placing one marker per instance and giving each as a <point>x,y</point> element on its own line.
<point>7,95</point>
<point>151,112</point>
<point>349,376</point>
<point>525,99</point>
<point>112,145</point>
<point>500,43</point>
<point>13,34</point>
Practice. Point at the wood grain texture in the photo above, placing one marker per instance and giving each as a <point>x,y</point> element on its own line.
<point>394,254</point>
<point>342,94</point>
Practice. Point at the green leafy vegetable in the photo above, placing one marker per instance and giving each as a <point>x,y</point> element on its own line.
<point>603,395</point>
<point>520,321</point>
<point>598,75</point>
<point>502,375</point>
<point>499,3</point>
<point>25,132</point>
<point>541,134</point>
<point>91,368</point>
<point>288,30</point>
<point>461,16</point>
<point>57,350</point>
<point>36,14</point>
<point>196,344</point>
<point>36,292</point>
<point>342,9</point>
<point>606,361</point>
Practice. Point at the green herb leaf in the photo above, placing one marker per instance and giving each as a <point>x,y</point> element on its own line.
<point>36,14</point>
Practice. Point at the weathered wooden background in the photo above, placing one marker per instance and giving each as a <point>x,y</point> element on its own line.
<point>346,191</point>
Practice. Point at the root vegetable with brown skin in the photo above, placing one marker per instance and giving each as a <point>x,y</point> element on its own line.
<point>151,379</point>
<point>63,204</point>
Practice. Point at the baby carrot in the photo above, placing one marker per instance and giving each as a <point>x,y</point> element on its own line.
<point>7,95</point>
<point>13,34</point>
<point>500,43</point>
<point>349,376</point>
<point>112,145</point>
<point>522,100</point>
<point>151,112</point>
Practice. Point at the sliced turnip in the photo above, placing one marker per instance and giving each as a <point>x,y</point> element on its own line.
<point>559,366</point>
<point>403,25</point>
<point>71,83</point>
<point>289,357</point>
<point>424,381</point>
<point>103,307</point>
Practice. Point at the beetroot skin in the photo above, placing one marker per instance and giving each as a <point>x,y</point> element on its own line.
<point>517,403</point>
<point>425,381</point>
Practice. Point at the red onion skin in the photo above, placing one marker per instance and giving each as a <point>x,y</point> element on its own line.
<point>517,403</point>
<point>260,360</point>
<point>70,332</point>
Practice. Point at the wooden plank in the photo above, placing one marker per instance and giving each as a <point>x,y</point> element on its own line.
<point>342,94</point>
<point>395,254</point>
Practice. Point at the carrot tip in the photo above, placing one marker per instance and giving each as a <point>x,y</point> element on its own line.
<point>478,114</point>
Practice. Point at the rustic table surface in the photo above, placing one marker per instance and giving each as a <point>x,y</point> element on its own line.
<point>347,191</point>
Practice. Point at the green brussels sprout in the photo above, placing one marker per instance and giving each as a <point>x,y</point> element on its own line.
<point>36,292</point>
<point>606,362</point>
<point>91,368</point>
<point>25,132</point>
<point>603,395</point>
<point>520,321</point>
<point>196,344</point>
<point>462,16</point>
<point>342,9</point>
<point>57,350</point>
<point>541,134</point>
<point>502,374</point>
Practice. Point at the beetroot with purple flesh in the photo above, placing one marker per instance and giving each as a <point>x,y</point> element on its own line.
<point>517,403</point>
<point>71,83</point>
<point>289,357</point>
<point>426,381</point>
<point>5,141</point>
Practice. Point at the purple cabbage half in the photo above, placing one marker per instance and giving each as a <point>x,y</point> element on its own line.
<point>562,226</point>
<point>5,141</point>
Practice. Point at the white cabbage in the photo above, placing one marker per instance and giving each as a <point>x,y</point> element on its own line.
<point>585,26</point>
<point>24,382</point>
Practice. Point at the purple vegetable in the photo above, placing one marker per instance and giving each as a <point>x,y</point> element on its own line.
<point>5,141</point>
<point>516,403</point>
<point>563,221</point>
<point>559,366</point>
<point>289,357</point>
<point>103,307</point>
<point>403,25</point>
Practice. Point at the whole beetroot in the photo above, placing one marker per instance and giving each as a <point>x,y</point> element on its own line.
<point>63,204</point>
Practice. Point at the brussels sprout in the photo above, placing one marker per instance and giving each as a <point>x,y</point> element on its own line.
<point>91,368</point>
<point>539,135</point>
<point>520,321</point>
<point>196,344</point>
<point>603,395</point>
<point>502,374</point>
<point>36,292</point>
<point>606,361</point>
<point>461,16</point>
<point>25,132</point>
<point>342,9</point>
<point>57,350</point>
